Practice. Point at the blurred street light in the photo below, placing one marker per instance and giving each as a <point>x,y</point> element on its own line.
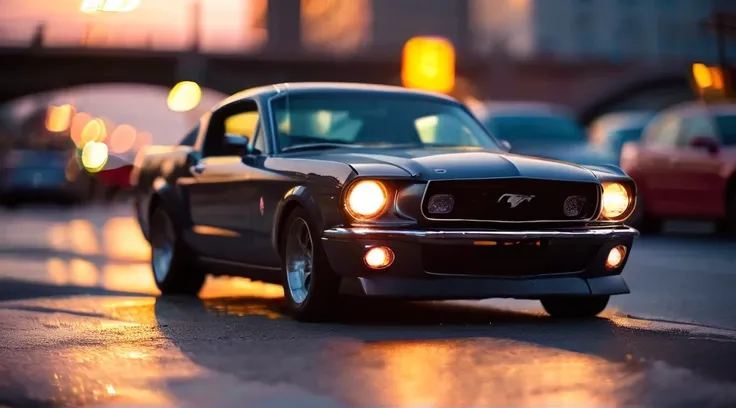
<point>184,96</point>
<point>429,63</point>
<point>702,76</point>
<point>116,6</point>
<point>94,131</point>
<point>94,156</point>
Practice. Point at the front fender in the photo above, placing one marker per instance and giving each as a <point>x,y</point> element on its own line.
<point>299,196</point>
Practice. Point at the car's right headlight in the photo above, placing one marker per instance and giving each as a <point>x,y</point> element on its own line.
<point>615,201</point>
<point>366,199</point>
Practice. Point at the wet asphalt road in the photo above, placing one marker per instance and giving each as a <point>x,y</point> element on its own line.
<point>80,325</point>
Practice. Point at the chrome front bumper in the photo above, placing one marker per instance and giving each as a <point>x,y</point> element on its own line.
<point>476,235</point>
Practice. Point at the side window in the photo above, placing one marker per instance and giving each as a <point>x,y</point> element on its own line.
<point>191,138</point>
<point>239,119</point>
<point>664,132</point>
<point>696,126</point>
<point>242,124</point>
<point>259,143</point>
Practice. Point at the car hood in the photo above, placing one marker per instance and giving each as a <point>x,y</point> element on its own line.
<point>438,164</point>
<point>575,153</point>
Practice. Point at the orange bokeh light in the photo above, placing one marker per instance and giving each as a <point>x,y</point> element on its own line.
<point>59,118</point>
<point>122,139</point>
<point>429,63</point>
<point>142,140</point>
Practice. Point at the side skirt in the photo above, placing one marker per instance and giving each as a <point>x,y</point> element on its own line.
<point>219,267</point>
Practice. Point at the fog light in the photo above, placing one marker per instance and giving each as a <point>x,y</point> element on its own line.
<point>379,257</point>
<point>616,257</point>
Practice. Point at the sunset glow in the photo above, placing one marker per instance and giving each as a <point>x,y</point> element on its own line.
<point>226,25</point>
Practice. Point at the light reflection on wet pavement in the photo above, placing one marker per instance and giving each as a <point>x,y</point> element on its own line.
<point>79,327</point>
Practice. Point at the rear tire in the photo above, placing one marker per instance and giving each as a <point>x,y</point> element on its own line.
<point>174,264</point>
<point>310,285</point>
<point>575,306</point>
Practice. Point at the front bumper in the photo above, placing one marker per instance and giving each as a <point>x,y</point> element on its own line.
<point>476,264</point>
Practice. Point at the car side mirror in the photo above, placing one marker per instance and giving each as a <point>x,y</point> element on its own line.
<point>506,145</point>
<point>235,145</point>
<point>705,143</point>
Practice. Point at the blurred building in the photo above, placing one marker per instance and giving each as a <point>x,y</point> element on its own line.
<point>609,30</point>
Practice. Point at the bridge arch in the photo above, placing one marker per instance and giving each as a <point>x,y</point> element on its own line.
<point>35,72</point>
<point>652,91</point>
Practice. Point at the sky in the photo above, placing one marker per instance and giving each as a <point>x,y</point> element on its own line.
<point>165,24</point>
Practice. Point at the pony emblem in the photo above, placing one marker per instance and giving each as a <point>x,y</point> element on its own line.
<point>515,199</point>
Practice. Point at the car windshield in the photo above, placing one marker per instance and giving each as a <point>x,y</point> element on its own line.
<point>525,130</point>
<point>374,119</point>
<point>727,129</point>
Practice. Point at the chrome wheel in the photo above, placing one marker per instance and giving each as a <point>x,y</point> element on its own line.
<point>162,244</point>
<point>299,256</point>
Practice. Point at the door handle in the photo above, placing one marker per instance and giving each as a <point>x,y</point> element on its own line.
<point>197,168</point>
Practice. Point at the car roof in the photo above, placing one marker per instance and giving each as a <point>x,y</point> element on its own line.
<point>698,108</point>
<point>286,87</point>
<point>623,119</point>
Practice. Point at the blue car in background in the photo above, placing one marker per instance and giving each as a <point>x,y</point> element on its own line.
<point>610,132</point>
<point>542,130</point>
<point>41,169</point>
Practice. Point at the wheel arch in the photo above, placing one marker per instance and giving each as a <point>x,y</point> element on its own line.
<point>171,202</point>
<point>297,197</point>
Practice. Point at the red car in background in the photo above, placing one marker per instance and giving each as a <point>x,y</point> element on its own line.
<point>685,166</point>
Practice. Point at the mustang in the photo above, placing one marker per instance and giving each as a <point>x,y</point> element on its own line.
<point>335,189</point>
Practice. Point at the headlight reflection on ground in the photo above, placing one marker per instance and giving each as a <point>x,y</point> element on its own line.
<point>504,373</point>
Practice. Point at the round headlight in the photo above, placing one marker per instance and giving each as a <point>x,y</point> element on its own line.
<point>366,199</point>
<point>615,199</point>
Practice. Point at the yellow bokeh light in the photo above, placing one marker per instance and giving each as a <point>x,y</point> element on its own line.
<point>184,96</point>
<point>122,139</point>
<point>78,124</point>
<point>702,76</point>
<point>94,156</point>
<point>429,63</point>
<point>59,118</point>
<point>93,131</point>
<point>117,6</point>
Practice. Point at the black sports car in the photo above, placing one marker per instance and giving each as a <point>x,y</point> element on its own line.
<point>334,189</point>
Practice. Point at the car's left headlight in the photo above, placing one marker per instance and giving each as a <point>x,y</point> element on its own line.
<point>367,199</point>
<point>615,201</point>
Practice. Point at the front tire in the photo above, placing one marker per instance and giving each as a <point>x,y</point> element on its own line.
<point>310,285</point>
<point>175,267</point>
<point>575,307</point>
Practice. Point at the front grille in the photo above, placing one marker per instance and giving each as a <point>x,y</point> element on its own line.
<point>515,200</point>
<point>510,259</point>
